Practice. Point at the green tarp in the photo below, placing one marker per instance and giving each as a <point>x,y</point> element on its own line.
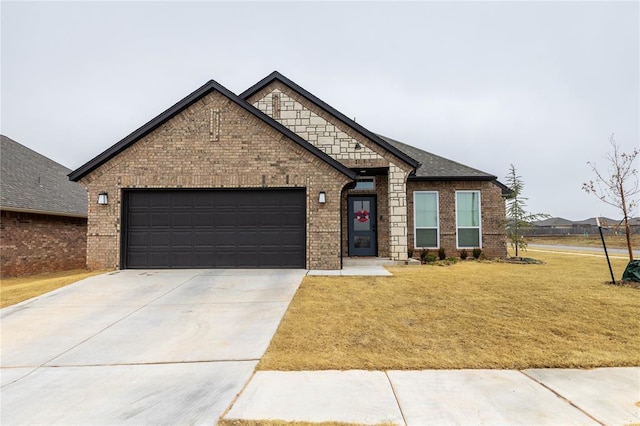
<point>632,273</point>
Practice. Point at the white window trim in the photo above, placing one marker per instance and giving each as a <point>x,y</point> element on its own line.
<point>415,227</point>
<point>479,227</point>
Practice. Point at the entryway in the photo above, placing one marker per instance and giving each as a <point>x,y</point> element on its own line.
<point>361,217</point>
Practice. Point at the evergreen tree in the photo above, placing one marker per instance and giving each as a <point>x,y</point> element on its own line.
<point>518,219</point>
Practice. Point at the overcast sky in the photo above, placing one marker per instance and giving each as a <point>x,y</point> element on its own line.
<point>540,85</point>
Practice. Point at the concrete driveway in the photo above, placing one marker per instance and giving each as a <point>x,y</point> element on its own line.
<point>139,347</point>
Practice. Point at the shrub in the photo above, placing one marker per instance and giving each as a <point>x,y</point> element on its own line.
<point>441,254</point>
<point>410,252</point>
<point>463,254</point>
<point>452,260</point>
<point>430,258</point>
<point>477,252</point>
<point>423,255</point>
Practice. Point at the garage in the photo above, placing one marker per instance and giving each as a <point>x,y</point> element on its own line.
<point>220,228</point>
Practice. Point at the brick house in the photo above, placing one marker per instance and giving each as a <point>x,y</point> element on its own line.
<point>43,216</point>
<point>275,177</point>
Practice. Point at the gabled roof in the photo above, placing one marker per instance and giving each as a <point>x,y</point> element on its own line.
<point>276,76</point>
<point>31,182</point>
<point>198,94</point>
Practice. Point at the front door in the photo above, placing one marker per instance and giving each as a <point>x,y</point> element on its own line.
<point>361,213</point>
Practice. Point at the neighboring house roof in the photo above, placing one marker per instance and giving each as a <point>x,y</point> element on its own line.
<point>31,182</point>
<point>198,94</point>
<point>554,221</point>
<point>331,110</point>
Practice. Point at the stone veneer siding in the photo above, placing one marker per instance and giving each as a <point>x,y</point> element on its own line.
<point>339,141</point>
<point>492,207</point>
<point>215,144</point>
<point>39,243</point>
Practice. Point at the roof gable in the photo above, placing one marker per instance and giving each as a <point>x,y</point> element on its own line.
<point>34,183</point>
<point>276,76</point>
<point>189,100</point>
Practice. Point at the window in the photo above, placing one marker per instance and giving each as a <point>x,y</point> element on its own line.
<point>425,219</point>
<point>365,184</point>
<point>468,219</point>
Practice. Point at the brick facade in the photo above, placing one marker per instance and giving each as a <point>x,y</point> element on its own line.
<point>492,214</point>
<point>214,143</point>
<point>38,243</point>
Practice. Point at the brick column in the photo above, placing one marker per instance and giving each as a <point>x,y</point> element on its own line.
<point>397,213</point>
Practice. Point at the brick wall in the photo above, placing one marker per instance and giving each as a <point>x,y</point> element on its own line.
<point>36,243</point>
<point>492,215</point>
<point>215,144</point>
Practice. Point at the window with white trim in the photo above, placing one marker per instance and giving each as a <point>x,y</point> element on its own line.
<point>425,219</point>
<point>468,222</point>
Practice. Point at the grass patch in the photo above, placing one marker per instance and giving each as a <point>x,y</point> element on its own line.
<point>612,241</point>
<point>15,290</point>
<point>468,315</point>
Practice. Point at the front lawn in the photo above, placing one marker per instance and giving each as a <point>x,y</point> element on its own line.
<point>468,315</point>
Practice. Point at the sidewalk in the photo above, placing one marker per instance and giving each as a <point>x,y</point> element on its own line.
<point>608,396</point>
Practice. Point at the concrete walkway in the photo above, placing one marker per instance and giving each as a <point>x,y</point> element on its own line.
<point>609,396</point>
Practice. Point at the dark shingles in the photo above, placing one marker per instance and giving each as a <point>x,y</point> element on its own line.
<point>434,167</point>
<point>32,182</point>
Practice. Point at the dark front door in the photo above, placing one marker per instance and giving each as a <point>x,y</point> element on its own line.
<point>215,228</point>
<point>361,213</point>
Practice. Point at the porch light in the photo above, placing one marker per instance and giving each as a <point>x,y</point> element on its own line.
<point>103,198</point>
<point>322,197</point>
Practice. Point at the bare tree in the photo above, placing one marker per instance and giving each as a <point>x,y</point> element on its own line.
<point>619,186</point>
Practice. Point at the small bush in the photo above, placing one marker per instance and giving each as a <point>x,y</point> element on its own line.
<point>477,252</point>
<point>452,260</point>
<point>430,258</point>
<point>464,254</point>
<point>441,254</point>
<point>410,253</point>
<point>423,255</point>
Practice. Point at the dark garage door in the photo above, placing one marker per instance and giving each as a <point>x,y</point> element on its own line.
<point>214,229</point>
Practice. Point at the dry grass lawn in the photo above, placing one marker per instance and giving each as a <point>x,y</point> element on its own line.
<point>468,315</point>
<point>15,290</point>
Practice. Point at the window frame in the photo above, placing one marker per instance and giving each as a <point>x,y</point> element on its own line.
<point>479,227</point>
<point>365,179</point>
<point>415,222</point>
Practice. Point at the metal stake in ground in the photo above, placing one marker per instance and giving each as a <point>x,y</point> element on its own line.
<point>613,279</point>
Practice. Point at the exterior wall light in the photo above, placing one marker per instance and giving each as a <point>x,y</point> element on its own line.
<point>103,198</point>
<point>322,197</point>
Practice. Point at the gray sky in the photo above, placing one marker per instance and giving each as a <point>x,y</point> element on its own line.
<point>541,85</point>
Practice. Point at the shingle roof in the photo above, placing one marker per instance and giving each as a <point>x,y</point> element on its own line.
<point>331,110</point>
<point>34,183</point>
<point>434,167</point>
<point>190,99</point>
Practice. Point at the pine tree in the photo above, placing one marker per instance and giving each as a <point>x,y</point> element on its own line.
<point>518,219</point>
